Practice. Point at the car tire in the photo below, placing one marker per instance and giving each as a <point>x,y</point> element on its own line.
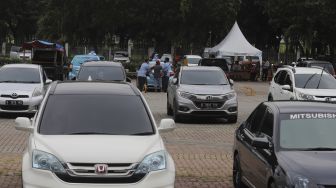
<point>232,119</point>
<point>270,98</point>
<point>177,117</point>
<point>169,109</point>
<point>237,174</point>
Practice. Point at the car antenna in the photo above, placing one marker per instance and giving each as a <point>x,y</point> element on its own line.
<point>318,85</point>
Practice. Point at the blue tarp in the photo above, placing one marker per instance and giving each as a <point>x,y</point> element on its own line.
<point>42,44</point>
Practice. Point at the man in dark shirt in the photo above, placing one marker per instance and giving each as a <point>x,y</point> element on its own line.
<point>157,75</point>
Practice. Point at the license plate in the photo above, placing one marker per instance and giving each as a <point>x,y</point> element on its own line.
<point>14,102</point>
<point>209,105</point>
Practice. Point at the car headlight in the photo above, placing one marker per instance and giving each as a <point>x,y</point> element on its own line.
<point>184,94</point>
<point>152,162</point>
<point>47,161</point>
<point>306,96</point>
<point>37,92</point>
<point>230,95</point>
<point>298,181</point>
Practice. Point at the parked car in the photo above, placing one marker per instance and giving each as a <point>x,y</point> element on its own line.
<point>22,87</point>
<point>106,137</point>
<point>302,83</point>
<point>76,63</point>
<point>121,56</point>
<point>286,144</point>
<point>190,60</point>
<point>102,71</point>
<point>201,91</point>
<point>315,63</point>
<point>150,77</point>
<point>17,53</point>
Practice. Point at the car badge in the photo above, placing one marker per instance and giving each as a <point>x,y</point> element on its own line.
<point>209,97</point>
<point>101,169</point>
<point>14,95</point>
<point>328,99</point>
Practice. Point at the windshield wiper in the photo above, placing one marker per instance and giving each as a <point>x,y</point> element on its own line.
<point>309,80</point>
<point>30,82</point>
<point>144,133</point>
<point>319,149</point>
<point>9,81</point>
<point>318,85</point>
<point>87,133</point>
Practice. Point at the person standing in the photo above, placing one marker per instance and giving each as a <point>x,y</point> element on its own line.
<point>265,68</point>
<point>166,73</point>
<point>142,74</point>
<point>157,75</point>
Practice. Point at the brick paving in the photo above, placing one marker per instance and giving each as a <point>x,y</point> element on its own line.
<point>201,148</point>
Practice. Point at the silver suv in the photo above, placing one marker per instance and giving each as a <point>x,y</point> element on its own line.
<point>202,91</point>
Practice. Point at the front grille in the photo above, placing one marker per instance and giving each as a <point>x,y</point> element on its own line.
<point>14,107</point>
<point>85,173</point>
<point>15,97</point>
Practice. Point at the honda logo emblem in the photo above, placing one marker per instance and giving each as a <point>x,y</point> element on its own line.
<point>14,95</point>
<point>101,169</point>
<point>328,99</point>
<point>208,98</point>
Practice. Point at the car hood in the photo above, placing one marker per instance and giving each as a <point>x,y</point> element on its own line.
<point>99,148</point>
<point>318,92</point>
<point>316,165</point>
<point>206,89</point>
<point>9,88</point>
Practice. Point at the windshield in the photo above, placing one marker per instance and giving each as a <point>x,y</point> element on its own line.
<point>193,61</point>
<point>315,81</point>
<point>95,114</point>
<point>108,73</point>
<point>308,130</point>
<point>327,66</point>
<point>78,60</point>
<point>20,75</point>
<point>203,77</point>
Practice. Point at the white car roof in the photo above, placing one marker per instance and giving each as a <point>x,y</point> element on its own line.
<point>305,70</point>
<point>22,65</point>
<point>193,56</point>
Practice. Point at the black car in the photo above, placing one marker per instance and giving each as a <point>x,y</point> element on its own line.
<point>218,62</point>
<point>327,66</point>
<point>287,144</point>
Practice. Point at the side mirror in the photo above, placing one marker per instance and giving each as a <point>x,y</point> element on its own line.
<point>48,81</point>
<point>258,142</point>
<point>129,80</point>
<point>23,124</point>
<point>174,81</point>
<point>166,125</point>
<point>287,88</point>
<point>231,82</point>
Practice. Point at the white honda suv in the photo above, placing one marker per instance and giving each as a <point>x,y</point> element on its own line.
<point>90,134</point>
<point>303,83</point>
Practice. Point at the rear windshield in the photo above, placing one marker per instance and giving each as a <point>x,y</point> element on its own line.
<point>203,77</point>
<point>222,63</point>
<point>20,75</point>
<point>194,61</point>
<point>78,60</point>
<point>308,130</point>
<point>315,81</point>
<point>95,114</point>
<point>107,73</point>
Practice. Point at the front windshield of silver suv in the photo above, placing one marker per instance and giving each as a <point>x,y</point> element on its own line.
<point>20,75</point>
<point>315,81</point>
<point>203,77</point>
<point>95,114</point>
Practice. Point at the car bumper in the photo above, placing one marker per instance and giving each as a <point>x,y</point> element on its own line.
<point>34,178</point>
<point>188,108</point>
<point>30,105</point>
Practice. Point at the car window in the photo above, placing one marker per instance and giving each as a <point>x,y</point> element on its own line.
<point>268,123</point>
<point>101,114</point>
<point>203,77</point>
<point>222,63</point>
<point>255,119</point>
<point>282,77</point>
<point>193,61</point>
<point>288,80</point>
<point>20,75</point>
<point>108,73</point>
<point>315,81</point>
<point>307,130</point>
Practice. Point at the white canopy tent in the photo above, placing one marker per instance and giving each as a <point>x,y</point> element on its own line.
<point>235,44</point>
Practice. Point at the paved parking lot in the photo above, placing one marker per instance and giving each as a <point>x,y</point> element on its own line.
<point>201,148</point>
